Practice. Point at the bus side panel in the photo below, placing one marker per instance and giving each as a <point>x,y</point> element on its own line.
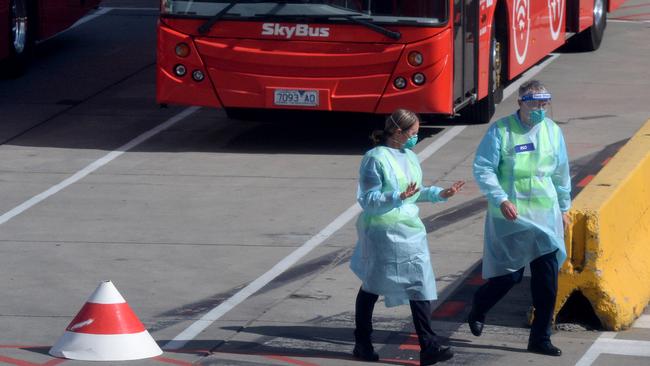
<point>4,26</point>
<point>57,15</point>
<point>486,17</point>
<point>614,4</point>
<point>586,17</point>
<point>536,29</point>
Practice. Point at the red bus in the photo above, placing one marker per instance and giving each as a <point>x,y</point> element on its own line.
<point>23,22</point>
<point>430,56</point>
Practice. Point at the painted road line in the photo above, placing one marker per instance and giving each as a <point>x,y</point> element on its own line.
<point>642,322</point>
<point>513,88</point>
<point>583,183</point>
<point>593,352</point>
<point>217,312</point>
<point>605,344</point>
<point>628,21</point>
<point>95,165</point>
<point>173,361</point>
<point>89,17</point>
<point>449,309</point>
<point>291,361</point>
<point>100,11</point>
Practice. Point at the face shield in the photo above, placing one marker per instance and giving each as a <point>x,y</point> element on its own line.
<point>534,107</point>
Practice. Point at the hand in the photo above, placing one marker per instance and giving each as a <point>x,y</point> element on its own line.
<point>566,220</point>
<point>411,189</point>
<point>509,210</point>
<point>455,188</point>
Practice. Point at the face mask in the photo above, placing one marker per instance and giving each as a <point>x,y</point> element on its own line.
<point>536,116</point>
<point>410,143</point>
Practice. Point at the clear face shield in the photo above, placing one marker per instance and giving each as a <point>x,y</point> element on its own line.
<point>535,107</point>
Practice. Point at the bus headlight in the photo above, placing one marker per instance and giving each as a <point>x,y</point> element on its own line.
<point>182,49</point>
<point>198,75</point>
<point>180,70</point>
<point>415,58</point>
<point>418,78</point>
<point>399,82</point>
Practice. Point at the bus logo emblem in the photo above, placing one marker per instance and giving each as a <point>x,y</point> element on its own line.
<point>555,13</point>
<point>521,28</point>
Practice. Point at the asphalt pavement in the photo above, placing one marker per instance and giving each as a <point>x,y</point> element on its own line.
<point>202,210</point>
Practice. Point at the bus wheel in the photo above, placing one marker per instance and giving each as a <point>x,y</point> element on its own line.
<point>590,38</point>
<point>496,69</point>
<point>20,39</point>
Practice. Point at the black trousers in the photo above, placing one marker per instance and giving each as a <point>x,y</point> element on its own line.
<point>543,285</point>
<point>420,310</point>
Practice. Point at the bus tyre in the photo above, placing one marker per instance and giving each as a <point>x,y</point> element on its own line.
<point>483,110</point>
<point>20,39</point>
<point>590,38</point>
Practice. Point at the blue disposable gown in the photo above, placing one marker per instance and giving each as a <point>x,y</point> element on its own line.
<point>392,255</point>
<point>529,167</point>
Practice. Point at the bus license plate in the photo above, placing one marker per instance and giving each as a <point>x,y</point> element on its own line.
<point>296,97</point>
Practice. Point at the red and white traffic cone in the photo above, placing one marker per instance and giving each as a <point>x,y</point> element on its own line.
<point>106,329</point>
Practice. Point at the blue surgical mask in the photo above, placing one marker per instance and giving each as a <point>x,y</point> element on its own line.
<point>536,116</point>
<point>410,143</point>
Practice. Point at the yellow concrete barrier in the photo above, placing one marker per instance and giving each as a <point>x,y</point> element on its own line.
<point>608,245</point>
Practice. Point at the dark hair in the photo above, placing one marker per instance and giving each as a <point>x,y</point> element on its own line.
<point>401,119</point>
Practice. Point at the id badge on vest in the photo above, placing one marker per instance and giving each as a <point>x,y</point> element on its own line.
<point>524,148</point>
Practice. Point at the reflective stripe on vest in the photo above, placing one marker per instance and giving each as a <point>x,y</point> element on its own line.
<point>525,170</point>
<point>390,165</point>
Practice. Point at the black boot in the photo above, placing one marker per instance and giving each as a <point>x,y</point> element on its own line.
<point>475,323</point>
<point>431,356</point>
<point>544,348</point>
<point>365,351</point>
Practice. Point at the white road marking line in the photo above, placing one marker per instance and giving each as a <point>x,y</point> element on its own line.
<point>607,344</point>
<point>608,335</point>
<point>512,88</point>
<point>96,165</point>
<point>642,322</point>
<point>100,11</point>
<point>627,21</point>
<point>592,353</point>
<point>217,312</point>
<point>89,17</point>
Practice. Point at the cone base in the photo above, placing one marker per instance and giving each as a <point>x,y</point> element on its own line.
<point>102,347</point>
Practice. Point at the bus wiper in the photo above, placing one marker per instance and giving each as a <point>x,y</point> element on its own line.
<point>205,27</point>
<point>377,28</point>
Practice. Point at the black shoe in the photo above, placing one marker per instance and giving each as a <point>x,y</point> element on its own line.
<point>366,353</point>
<point>435,355</point>
<point>475,325</point>
<point>544,348</point>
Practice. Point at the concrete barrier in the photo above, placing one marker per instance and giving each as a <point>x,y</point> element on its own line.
<point>608,243</point>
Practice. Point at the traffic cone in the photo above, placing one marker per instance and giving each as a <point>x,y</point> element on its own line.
<point>105,329</point>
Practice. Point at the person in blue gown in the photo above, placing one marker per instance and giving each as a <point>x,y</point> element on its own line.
<point>392,255</point>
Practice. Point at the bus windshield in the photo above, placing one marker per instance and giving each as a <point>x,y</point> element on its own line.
<point>414,12</point>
